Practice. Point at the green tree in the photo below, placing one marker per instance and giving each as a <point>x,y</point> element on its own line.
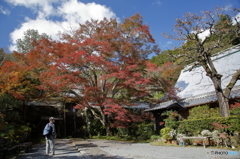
<point>26,43</point>
<point>2,56</point>
<point>9,108</point>
<point>167,56</point>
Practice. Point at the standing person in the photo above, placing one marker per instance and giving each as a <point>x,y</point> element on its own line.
<point>50,136</point>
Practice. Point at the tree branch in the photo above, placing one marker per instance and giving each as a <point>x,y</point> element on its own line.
<point>233,81</point>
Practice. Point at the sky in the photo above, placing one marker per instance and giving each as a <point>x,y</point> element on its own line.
<point>54,16</point>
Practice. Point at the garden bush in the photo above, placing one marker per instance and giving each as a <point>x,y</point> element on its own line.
<point>172,119</point>
<point>235,109</point>
<point>155,137</point>
<point>194,127</point>
<point>145,131</point>
<point>15,133</point>
<point>202,112</point>
<point>165,133</point>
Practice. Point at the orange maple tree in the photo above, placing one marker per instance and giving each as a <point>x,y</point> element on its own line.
<point>15,81</point>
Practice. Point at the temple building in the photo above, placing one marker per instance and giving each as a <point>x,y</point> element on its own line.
<point>194,88</point>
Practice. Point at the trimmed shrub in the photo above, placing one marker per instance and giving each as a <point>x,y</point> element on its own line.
<point>155,137</point>
<point>235,109</point>
<point>145,131</point>
<point>194,127</point>
<point>202,112</point>
<point>165,133</point>
<point>172,119</point>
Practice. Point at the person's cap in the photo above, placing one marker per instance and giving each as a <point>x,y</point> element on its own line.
<point>51,118</point>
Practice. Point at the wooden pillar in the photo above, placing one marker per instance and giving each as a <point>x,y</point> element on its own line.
<point>158,119</point>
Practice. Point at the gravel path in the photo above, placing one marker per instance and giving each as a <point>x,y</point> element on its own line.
<point>64,149</point>
<point>107,149</point>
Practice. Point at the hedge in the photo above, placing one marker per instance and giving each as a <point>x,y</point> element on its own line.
<point>194,127</point>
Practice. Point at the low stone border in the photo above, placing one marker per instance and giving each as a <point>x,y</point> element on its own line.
<point>84,154</point>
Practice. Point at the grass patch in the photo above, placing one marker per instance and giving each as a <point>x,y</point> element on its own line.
<point>162,143</point>
<point>120,138</point>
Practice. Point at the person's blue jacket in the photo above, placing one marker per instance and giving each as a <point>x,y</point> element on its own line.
<point>53,133</point>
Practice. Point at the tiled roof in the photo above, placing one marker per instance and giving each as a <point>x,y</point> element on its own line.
<point>207,98</point>
<point>195,100</point>
<point>166,105</point>
<point>199,100</point>
<point>162,105</point>
<point>140,105</point>
<point>53,103</point>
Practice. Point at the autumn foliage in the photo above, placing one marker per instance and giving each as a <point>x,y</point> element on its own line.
<point>235,105</point>
<point>102,66</point>
<point>16,82</point>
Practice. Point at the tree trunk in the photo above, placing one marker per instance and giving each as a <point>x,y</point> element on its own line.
<point>222,99</point>
<point>88,124</point>
<point>233,81</point>
<point>24,111</point>
<point>103,119</point>
<point>64,120</point>
<point>107,130</point>
<point>106,125</point>
<point>223,104</point>
<point>211,72</point>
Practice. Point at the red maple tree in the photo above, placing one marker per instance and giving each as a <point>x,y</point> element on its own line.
<point>102,66</point>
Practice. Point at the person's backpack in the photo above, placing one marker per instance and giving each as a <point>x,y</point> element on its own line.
<point>47,130</point>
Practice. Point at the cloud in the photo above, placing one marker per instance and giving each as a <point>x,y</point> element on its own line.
<point>43,6</point>
<point>168,45</point>
<point>157,2</point>
<point>228,7</point>
<point>42,25</point>
<point>4,11</point>
<point>204,35</point>
<point>54,17</point>
<point>79,12</point>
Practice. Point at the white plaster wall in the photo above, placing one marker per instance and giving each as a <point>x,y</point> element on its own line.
<point>196,82</point>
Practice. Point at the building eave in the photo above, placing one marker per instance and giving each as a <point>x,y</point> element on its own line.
<point>202,99</point>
